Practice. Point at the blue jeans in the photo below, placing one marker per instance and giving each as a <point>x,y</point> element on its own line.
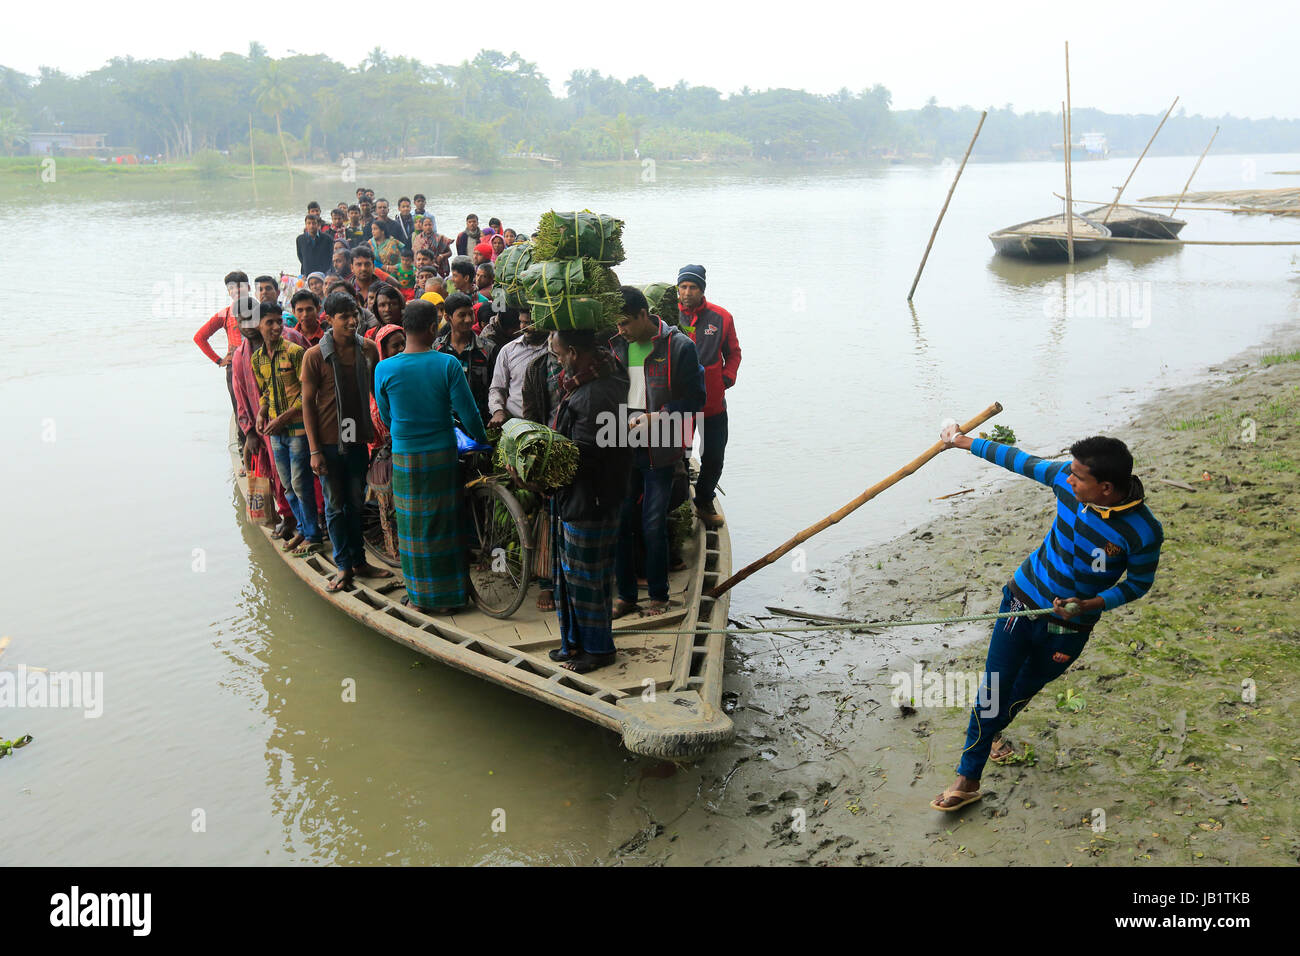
<point>653,487</point>
<point>293,464</point>
<point>344,485</point>
<point>713,445</point>
<point>1020,659</point>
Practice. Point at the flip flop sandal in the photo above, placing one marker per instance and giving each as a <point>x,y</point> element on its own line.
<point>290,547</point>
<point>1003,758</point>
<point>967,797</point>
<point>628,608</point>
<point>559,654</point>
<point>334,587</point>
<point>656,608</point>
<point>306,549</point>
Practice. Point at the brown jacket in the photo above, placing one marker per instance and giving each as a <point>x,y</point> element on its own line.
<point>318,369</point>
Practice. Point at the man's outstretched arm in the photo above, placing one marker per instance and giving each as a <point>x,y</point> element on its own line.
<point>1008,456</point>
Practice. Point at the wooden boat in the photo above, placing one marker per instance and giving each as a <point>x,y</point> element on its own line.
<point>1045,240</point>
<point>663,694</point>
<point>1129,222</point>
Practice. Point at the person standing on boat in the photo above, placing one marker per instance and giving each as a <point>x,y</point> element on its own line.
<point>666,389</point>
<point>472,352</point>
<point>315,248</point>
<point>277,368</point>
<point>337,375</point>
<point>713,331</point>
<point>1103,532</point>
<point>585,513</point>
<point>417,393</point>
<point>226,320</point>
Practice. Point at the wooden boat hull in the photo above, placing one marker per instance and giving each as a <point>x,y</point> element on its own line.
<point>663,695</point>
<point>1130,223</point>
<point>1022,242</point>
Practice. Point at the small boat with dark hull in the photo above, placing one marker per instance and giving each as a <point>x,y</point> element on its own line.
<point>1047,239</point>
<point>1129,222</point>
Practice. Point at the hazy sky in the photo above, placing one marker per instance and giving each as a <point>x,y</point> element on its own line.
<point>1125,56</point>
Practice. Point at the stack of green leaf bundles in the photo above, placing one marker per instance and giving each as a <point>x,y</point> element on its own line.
<point>537,454</point>
<point>570,283</point>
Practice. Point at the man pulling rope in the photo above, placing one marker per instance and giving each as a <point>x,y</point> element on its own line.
<point>1103,532</point>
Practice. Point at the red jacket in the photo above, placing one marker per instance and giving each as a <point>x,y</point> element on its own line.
<point>718,348</point>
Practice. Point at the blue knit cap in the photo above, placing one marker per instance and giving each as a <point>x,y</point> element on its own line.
<point>691,274</point>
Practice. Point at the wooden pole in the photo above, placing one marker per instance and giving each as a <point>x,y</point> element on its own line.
<point>852,506</point>
<point>935,231</point>
<point>1194,169</point>
<point>1069,203</point>
<point>252,158</point>
<point>1151,205</point>
<point>1207,242</point>
<point>1115,202</point>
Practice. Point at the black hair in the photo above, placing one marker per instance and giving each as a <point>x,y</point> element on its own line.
<point>634,301</point>
<point>426,252</point>
<point>311,217</point>
<point>270,279</point>
<point>268,308</point>
<point>462,266</point>
<point>313,205</point>
<point>1107,458</point>
<point>384,290</point>
<point>353,206</point>
<point>304,295</point>
<point>473,216</point>
<point>420,317</point>
<point>347,252</point>
<point>338,284</point>
<point>363,252</point>
<point>236,276</point>
<point>339,301</point>
<point>245,307</point>
<point>381,199</point>
<point>403,199</point>
<point>407,253</point>
<point>580,340</point>
<point>430,267</point>
<point>457,300</point>
<point>419,196</point>
<point>494,223</point>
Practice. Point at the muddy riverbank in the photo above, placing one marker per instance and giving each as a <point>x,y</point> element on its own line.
<point>1167,762</point>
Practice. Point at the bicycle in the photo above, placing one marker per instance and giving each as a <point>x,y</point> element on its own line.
<point>498,536</point>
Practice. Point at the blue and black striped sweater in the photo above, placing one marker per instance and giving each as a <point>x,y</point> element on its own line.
<point>1088,549</point>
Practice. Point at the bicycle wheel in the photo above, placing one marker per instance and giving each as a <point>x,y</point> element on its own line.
<point>373,532</point>
<point>500,549</point>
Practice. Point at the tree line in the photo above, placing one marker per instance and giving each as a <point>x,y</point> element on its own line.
<point>310,107</point>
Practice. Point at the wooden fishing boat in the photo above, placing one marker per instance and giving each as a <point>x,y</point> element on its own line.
<point>1045,240</point>
<point>663,694</point>
<point>1129,222</point>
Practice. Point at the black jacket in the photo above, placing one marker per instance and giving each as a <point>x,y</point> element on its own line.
<point>315,255</point>
<point>598,488</point>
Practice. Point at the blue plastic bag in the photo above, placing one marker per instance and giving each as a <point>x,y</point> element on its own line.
<point>465,444</point>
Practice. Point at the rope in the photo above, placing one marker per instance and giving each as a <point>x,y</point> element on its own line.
<point>848,625</point>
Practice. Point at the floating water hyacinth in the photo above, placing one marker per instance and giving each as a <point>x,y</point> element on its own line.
<point>570,235</point>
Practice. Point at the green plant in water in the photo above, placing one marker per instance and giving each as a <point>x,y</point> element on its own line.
<point>9,746</point>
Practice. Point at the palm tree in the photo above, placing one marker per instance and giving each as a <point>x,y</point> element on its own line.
<point>274,95</point>
<point>620,131</point>
<point>11,131</point>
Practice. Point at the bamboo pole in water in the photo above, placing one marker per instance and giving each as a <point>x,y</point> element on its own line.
<point>1115,202</point>
<point>1194,169</point>
<point>1069,203</point>
<point>252,155</point>
<point>935,231</point>
<point>1278,210</point>
<point>852,506</point>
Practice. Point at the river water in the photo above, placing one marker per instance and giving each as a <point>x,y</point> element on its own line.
<point>224,738</point>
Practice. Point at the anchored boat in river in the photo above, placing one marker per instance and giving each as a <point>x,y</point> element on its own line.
<point>663,693</point>
<point>1046,239</point>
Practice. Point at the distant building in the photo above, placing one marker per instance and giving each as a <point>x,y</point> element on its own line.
<point>67,144</point>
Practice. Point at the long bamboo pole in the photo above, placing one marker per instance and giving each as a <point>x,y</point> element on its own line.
<point>1207,242</point>
<point>951,189</point>
<point>1195,168</point>
<point>252,158</point>
<point>1153,205</point>
<point>1069,203</point>
<point>852,506</point>
<point>1115,202</point>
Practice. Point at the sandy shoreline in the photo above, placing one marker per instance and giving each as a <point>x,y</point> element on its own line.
<point>1165,753</point>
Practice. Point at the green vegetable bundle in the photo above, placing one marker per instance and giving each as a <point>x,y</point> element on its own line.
<point>572,294</point>
<point>537,454</point>
<point>681,522</point>
<point>570,235</point>
<point>510,267</point>
<point>662,297</point>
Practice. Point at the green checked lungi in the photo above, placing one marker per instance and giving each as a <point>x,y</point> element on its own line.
<point>426,498</point>
<point>583,569</point>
